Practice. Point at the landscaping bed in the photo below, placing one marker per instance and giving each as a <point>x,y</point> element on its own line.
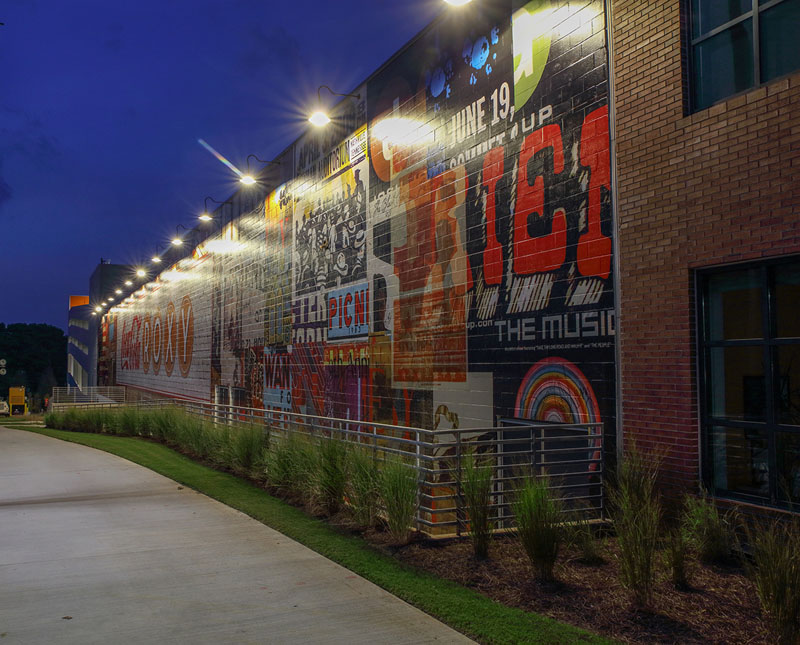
<point>720,605</point>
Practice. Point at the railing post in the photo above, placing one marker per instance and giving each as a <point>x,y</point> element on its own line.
<point>459,507</point>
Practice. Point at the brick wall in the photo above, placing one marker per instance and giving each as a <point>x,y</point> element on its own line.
<point>715,187</point>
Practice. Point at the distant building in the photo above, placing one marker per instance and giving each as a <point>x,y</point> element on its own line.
<point>80,340</point>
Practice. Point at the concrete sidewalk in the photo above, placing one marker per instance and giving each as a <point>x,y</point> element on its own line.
<point>95,549</point>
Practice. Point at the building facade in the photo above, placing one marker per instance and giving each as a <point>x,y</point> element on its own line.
<point>459,245</point>
<point>440,255</point>
<point>79,341</point>
<point>708,195</point>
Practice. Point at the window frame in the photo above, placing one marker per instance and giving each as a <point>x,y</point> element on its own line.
<point>770,427</point>
<point>692,41</point>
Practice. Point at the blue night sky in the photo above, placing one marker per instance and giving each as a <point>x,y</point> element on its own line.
<point>102,103</point>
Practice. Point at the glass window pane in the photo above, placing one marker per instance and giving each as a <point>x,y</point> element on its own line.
<point>788,447</point>
<point>723,64</point>
<point>734,305</point>
<point>709,14</point>
<point>780,26</point>
<point>787,388</point>
<point>738,389</point>
<point>787,300</point>
<point>740,462</point>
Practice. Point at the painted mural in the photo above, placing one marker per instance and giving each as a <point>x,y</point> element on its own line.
<point>440,257</point>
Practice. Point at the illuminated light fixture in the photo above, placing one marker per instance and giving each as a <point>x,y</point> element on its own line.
<point>155,259</point>
<point>98,309</point>
<point>94,313</point>
<point>128,283</point>
<point>110,298</point>
<point>141,273</point>
<point>320,117</point>
<point>247,179</point>
<point>178,240</point>
<point>458,3</point>
<point>118,291</point>
<point>205,215</point>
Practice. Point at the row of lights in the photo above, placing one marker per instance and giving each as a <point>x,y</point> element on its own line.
<point>319,118</point>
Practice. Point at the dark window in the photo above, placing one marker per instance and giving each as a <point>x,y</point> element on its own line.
<point>750,379</point>
<point>739,44</point>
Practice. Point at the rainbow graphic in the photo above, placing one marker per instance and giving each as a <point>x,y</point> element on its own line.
<point>555,390</point>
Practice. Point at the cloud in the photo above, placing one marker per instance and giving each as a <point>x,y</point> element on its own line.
<point>23,133</point>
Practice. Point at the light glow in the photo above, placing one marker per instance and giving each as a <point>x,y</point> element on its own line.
<point>319,118</point>
<point>156,259</point>
<point>177,241</point>
<point>128,283</point>
<point>140,272</point>
<point>206,217</point>
<point>247,180</point>
<point>403,131</point>
<point>98,309</point>
<point>223,246</point>
<point>118,291</point>
<point>458,3</point>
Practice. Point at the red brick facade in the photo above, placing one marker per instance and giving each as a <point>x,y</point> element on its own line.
<point>715,187</point>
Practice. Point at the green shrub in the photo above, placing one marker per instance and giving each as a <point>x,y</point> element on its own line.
<point>676,553</point>
<point>775,570</point>
<point>538,515</point>
<point>363,488</point>
<point>708,530</point>
<point>636,515</point>
<point>580,534</point>
<point>476,497</point>
<point>398,491</point>
<point>333,470</point>
<point>248,445</point>
<point>291,467</point>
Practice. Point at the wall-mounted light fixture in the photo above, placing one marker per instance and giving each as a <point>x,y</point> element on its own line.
<point>247,179</point>
<point>178,240</point>
<point>205,215</point>
<point>320,117</point>
<point>141,273</point>
<point>458,3</point>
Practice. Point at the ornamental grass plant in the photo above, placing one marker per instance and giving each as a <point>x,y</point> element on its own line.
<point>636,517</point>
<point>398,494</point>
<point>363,487</point>
<point>475,483</point>
<point>709,531</point>
<point>538,515</point>
<point>775,570</point>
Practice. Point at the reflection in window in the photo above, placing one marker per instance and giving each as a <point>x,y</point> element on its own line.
<point>750,360</point>
<point>727,58</point>
<point>740,461</point>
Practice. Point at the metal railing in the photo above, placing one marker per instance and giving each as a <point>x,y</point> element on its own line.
<point>569,455</point>
<point>68,396</point>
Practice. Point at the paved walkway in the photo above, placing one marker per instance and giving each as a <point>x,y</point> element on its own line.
<point>95,549</point>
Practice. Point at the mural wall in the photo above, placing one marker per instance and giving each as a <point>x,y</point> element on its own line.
<point>440,257</point>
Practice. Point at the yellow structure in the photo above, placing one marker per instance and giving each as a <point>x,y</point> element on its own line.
<point>16,400</point>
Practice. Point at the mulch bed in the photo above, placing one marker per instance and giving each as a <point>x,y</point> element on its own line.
<point>720,606</point>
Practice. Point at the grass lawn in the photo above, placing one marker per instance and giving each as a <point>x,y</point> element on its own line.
<point>461,608</point>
